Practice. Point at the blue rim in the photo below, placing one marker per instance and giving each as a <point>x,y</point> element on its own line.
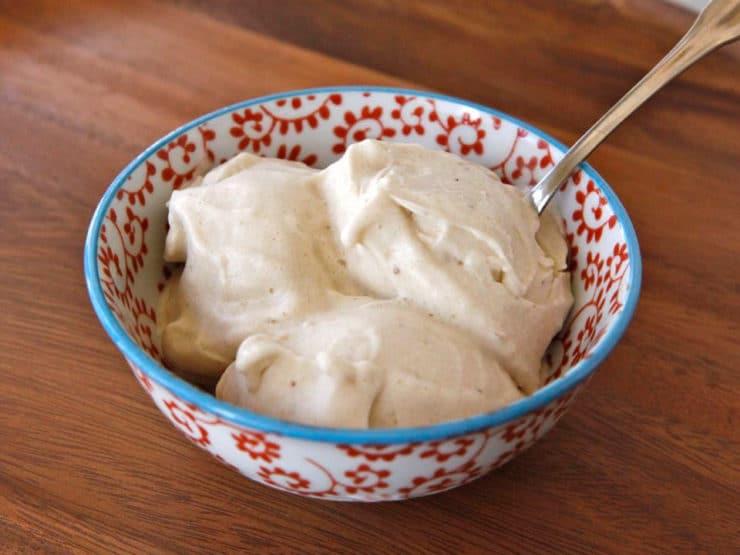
<point>249,419</point>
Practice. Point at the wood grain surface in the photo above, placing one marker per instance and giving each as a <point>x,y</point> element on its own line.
<point>647,460</point>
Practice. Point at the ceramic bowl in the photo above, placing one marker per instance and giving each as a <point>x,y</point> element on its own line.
<point>125,272</point>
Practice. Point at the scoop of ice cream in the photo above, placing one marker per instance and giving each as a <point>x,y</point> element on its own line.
<point>257,251</point>
<point>447,235</point>
<point>366,364</point>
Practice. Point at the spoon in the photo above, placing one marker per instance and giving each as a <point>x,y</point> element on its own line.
<point>717,24</point>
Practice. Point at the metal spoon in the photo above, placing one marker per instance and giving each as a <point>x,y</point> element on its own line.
<point>717,24</point>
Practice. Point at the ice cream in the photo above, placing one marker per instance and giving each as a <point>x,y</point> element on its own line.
<point>398,287</point>
<point>367,363</point>
<point>257,251</point>
<point>449,236</point>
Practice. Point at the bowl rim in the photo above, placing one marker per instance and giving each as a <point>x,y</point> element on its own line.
<point>267,424</point>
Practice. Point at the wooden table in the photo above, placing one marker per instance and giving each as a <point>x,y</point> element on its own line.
<point>648,460</point>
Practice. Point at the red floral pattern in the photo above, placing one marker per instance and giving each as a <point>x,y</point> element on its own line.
<point>445,449</point>
<point>368,124</point>
<point>178,156</point>
<point>410,113</point>
<point>378,452</point>
<point>461,136</point>
<point>183,415</point>
<point>472,455</point>
<point>529,161</point>
<point>132,232</point>
<point>283,479</point>
<point>121,253</point>
<point>440,480</point>
<point>250,130</point>
<point>139,194</point>
<point>303,112</point>
<point>257,446</point>
<point>207,135</point>
<point>592,214</point>
<point>255,127</point>
<point>364,478</point>
<point>294,154</point>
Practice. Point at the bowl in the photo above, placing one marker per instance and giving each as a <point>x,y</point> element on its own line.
<point>125,271</point>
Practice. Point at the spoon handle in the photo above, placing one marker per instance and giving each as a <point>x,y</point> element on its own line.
<point>718,24</point>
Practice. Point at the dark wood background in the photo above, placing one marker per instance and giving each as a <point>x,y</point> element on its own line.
<point>648,459</point>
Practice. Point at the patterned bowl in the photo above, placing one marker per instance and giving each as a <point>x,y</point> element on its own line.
<point>125,272</point>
